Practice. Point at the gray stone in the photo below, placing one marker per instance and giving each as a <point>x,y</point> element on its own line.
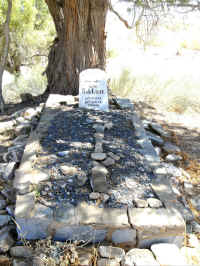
<point>25,205</point>
<point>4,219</point>
<point>65,213</point>
<point>68,170</point>
<point>98,147</point>
<point>8,193</point>
<point>10,210</point>
<point>85,259</point>
<point>6,239</point>
<point>98,137</point>
<point>94,195</point>
<point>173,158</point>
<point>63,153</point>
<point>141,203</point>
<point>108,162</point>
<point>107,217</point>
<point>155,139</point>
<point>189,188</point>
<point>114,156</point>
<point>158,150</point>
<point>99,128</point>
<point>81,178</point>
<point>7,170</point>
<point>20,262</point>
<point>8,125</point>
<point>21,252</point>
<point>83,233</point>
<point>195,201</point>
<point>98,179</point>
<point>104,197</point>
<point>154,203</point>
<point>2,204</point>
<point>98,156</point>
<point>139,257</point>
<point>159,130</point>
<point>107,262</point>
<point>24,188</point>
<point>111,252</point>
<point>168,254</point>
<point>171,148</point>
<point>32,228</point>
<point>42,212</point>
<point>161,224</point>
<point>125,103</point>
<point>125,237</point>
<point>108,125</point>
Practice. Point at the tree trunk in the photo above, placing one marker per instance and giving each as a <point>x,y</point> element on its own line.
<point>4,56</point>
<point>80,42</point>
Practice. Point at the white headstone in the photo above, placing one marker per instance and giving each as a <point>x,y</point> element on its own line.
<point>93,90</point>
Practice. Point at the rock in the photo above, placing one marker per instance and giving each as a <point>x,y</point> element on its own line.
<point>7,170</point>
<point>81,178</point>
<point>171,148</point>
<point>10,210</point>
<point>104,197</point>
<point>2,204</point>
<point>154,203</point>
<point>158,150</point>
<point>4,219</point>
<point>126,237</point>
<point>99,128</point>
<point>68,169</point>
<point>99,171</point>
<point>107,262</point>
<point>168,254</point>
<point>24,188</point>
<point>63,153</point>
<point>139,257</point>
<point>192,241</point>
<point>85,259</point>
<point>8,193</point>
<point>155,139</point>
<point>98,147</point>
<point>173,158</point>
<point>21,262</point>
<point>98,137</point>
<point>114,156</point>
<point>8,125</point>
<point>159,130</point>
<point>124,103</point>
<point>189,188</point>
<point>6,239</point>
<point>94,195</point>
<point>141,203</point>
<point>21,252</point>
<point>108,162</point>
<point>98,156</point>
<point>195,227</point>
<point>108,125</point>
<point>111,252</point>
<point>195,201</point>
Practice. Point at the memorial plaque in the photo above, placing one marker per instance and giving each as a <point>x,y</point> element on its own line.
<point>93,91</point>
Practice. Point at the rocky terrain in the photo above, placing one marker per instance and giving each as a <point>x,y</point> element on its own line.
<point>14,133</point>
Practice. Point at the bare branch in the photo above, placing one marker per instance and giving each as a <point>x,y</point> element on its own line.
<point>120,17</point>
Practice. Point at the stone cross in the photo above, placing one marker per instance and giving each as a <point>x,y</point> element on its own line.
<point>93,90</point>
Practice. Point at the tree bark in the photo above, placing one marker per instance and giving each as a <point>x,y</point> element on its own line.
<point>80,42</point>
<point>4,56</point>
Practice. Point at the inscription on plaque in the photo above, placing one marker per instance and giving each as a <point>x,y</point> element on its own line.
<point>93,91</point>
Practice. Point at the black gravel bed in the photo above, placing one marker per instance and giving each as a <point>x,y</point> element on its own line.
<point>70,141</point>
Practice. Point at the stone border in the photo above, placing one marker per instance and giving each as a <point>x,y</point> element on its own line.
<point>133,227</point>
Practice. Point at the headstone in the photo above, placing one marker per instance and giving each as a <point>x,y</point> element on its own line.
<point>93,91</point>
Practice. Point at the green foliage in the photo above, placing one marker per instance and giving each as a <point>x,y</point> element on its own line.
<point>31,32</point>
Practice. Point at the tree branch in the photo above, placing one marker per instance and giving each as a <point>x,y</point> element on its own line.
<point>5,51</point>
<point>120,17</point>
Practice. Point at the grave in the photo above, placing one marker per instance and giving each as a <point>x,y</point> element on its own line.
<point>93,91</point>
<point>90,175</point>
